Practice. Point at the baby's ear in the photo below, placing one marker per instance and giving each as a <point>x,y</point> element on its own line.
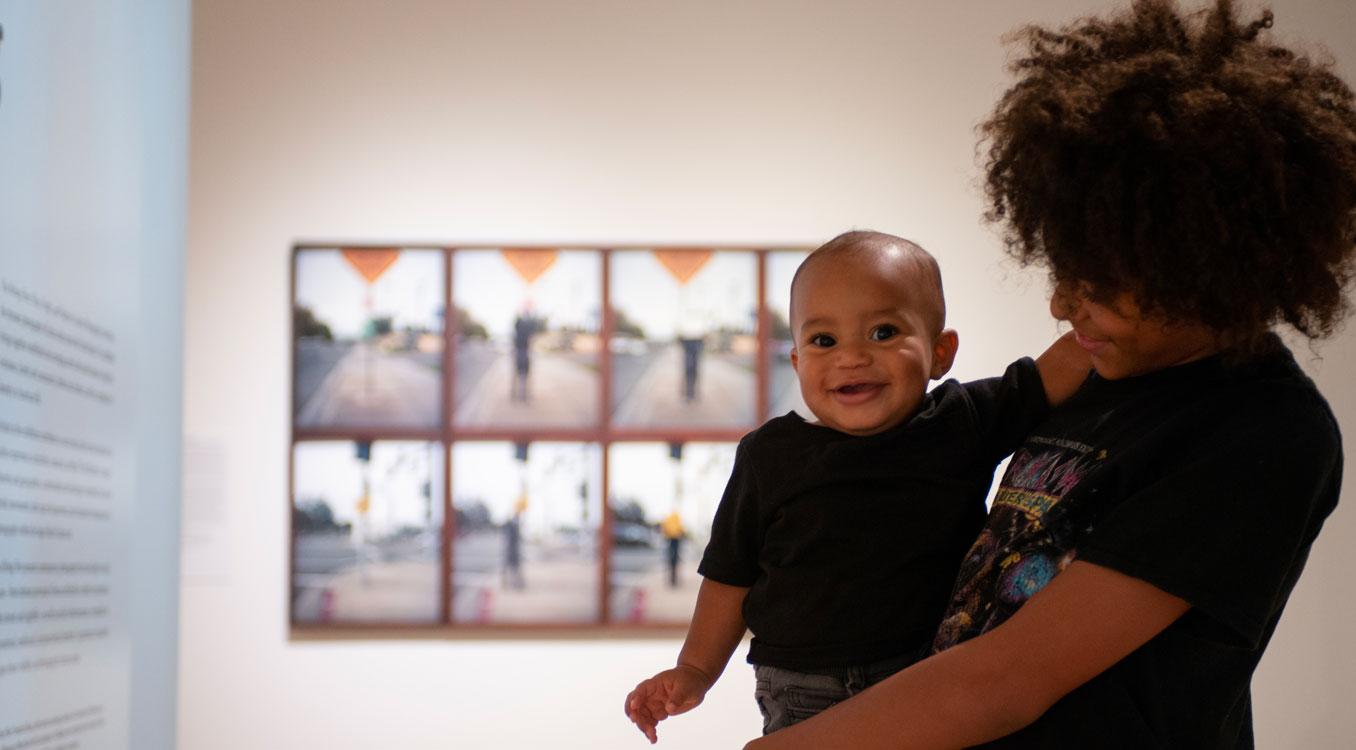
<point>944,352</point>
<point>795,361</point>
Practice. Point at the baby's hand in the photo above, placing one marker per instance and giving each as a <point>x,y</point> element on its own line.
<point>669,693</point>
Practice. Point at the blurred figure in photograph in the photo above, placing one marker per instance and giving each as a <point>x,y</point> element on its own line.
<point>525,326</point>
<point>691,340</point>
<point>672,529</point>
<point>513,549</point>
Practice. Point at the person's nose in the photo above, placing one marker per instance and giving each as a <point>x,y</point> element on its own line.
<point>851,355</point>
<point>1064,302</point>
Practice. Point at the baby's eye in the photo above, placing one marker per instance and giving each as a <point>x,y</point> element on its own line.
<point>883,332</point>
<point>822,340</point>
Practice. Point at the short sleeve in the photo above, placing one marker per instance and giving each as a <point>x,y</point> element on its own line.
<point>731,556</point>
<point>1007,407</point>
<point>1225,520</point>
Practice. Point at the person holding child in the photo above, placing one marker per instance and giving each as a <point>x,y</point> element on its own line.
<point>1189,185</point>
<point>837,540</point>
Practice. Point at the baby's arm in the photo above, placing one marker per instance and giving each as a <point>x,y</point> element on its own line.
<point>1063,367</point>
<point>716,629</point>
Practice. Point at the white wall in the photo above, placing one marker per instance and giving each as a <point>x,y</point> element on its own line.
<point>610,121</point>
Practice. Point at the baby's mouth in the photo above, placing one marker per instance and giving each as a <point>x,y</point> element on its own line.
<point>856,391</point>
<point>854,388</point>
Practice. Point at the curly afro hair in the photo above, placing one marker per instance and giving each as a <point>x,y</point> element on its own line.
<point>1184,160</point>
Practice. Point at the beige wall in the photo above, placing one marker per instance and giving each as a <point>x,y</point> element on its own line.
<point>623,121</point>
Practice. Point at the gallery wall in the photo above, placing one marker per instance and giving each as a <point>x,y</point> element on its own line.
<point>518,123</point>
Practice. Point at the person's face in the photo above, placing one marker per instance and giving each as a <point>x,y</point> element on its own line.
<point>1121,340</point>
<point>864,349</point>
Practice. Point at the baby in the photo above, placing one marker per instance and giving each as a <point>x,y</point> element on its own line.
<point>837,541</point>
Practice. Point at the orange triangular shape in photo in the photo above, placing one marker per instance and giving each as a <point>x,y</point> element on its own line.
<point>530,262</point>
<point>683,263</point>
<point>370,263</point>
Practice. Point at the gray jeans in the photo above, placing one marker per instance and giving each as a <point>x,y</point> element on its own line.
<point>786,696</point>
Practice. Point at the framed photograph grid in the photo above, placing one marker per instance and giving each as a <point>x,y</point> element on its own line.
<point>491,439</point>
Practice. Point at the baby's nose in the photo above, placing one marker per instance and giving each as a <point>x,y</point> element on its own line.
<point>853,355</point>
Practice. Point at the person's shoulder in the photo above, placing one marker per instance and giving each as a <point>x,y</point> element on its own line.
<point>789,427</point>
<point>1268,394</point>
<point>1020,372</point>
<point>945,402</point>
<point>780,446</point>
<point>1273,385</point>
<point>945,390</point>
<point>784,440</point>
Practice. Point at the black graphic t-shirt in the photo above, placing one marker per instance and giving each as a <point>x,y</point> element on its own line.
<point>1210,481</point>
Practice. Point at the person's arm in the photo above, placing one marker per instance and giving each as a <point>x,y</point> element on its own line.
<point>1063,367</point>
<point>716,629</point>
<point>1087,619</point>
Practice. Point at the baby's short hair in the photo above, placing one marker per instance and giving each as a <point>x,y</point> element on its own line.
<point>860,243</point>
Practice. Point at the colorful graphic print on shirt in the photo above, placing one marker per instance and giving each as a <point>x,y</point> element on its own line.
<point>1029,538</point>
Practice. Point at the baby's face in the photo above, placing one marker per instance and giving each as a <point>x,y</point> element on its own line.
<point>864,346</point>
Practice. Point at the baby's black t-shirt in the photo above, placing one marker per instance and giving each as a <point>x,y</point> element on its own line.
<point>850,545</point>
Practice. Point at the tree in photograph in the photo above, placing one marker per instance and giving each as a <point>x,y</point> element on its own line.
<point>467,326</point>
<point>309,326</point>
<point>625,327</point>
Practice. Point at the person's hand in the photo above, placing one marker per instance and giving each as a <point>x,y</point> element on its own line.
<point>669,693</point>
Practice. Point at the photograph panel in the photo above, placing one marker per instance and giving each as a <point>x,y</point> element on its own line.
<point>528,517</point>
<point>368,338</point>
<point>783,391</point>
<point>661,497</point>
<point>367,525</point>
<point>684,338</point>
<point>527,328</point>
